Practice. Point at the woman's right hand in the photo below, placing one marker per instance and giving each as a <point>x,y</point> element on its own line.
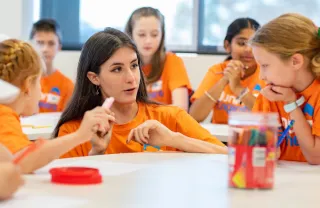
<point>10,180</point>
<point>100,142</point>
<point>96,122</point>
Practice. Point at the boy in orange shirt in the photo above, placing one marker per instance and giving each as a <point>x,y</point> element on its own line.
<point>167,78</point>
<point>56,87</point>
<point>21,66</point>
<point>288,51</point>
<point>234,84</point>
<point>109,66</point>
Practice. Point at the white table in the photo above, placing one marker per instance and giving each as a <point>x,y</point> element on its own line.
<point>218,130</point>
<point>34,134</point>
<point>51,119</point>
<point>171,180</point>
<point>40,125</point>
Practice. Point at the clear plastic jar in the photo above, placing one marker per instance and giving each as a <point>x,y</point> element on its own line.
<point>252,149</point>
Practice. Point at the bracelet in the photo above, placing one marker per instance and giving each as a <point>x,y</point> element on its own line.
<point>210,97</point>
<point>243,93</point>
<point>300,101</point>
<point>288,108</point>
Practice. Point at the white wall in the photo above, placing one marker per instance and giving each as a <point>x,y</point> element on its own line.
<point>11,18</point>
<point>16,18</point>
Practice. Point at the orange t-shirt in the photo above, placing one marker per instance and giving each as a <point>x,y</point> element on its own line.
<point>174,75</point>
<point>11,135</point>
<point>290,149</point>
<point>172,117</point>
<point>56,92</point>
<point>227,101</point>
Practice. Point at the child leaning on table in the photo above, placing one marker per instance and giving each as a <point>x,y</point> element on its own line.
<point>288,52</point>
<point>21,66</point>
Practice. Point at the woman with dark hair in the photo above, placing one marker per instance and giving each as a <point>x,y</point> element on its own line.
<point>109,66</point>
<point>233,84</point>
<point>166,76</point>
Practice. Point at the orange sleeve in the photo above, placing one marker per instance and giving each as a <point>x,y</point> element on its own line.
<point>77,151</point>
<point>178,76</point>
<point>185,121</point>
<point>209,80</point>
<point>11,135</point>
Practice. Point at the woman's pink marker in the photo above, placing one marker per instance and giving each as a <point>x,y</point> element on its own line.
<point>108,103</point>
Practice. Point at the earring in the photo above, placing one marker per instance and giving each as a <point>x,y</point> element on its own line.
<point>97,90</point>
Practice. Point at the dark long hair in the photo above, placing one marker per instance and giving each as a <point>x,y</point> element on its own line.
<point>158,59</point>
<point>237,26</point>
<point>97,50</point>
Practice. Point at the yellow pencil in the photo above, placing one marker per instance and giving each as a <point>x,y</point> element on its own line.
<point>35,127</point>
<point>40,127</point>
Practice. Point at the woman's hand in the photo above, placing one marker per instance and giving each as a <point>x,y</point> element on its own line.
<point>152,132</point>
<point>96,122</point>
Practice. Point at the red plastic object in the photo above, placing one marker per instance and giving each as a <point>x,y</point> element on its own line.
<point>244,172</point>
<point>75,175</point>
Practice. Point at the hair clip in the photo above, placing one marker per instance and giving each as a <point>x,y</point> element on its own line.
<point>318,35</point>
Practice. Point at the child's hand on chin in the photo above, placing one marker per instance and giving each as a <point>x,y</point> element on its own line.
<point>277,93</point>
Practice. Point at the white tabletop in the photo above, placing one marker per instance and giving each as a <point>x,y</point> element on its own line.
<point>40,125</point>
<point>44,124</point>
<point>34,134</point>
<point>218,130</point>
<point>168,180</point>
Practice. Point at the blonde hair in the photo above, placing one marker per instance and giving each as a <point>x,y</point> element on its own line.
<point>18,62</point>
<point>290,34</point>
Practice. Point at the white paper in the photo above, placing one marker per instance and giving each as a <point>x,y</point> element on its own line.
<point>106,168</point>
<point>32,201</point>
